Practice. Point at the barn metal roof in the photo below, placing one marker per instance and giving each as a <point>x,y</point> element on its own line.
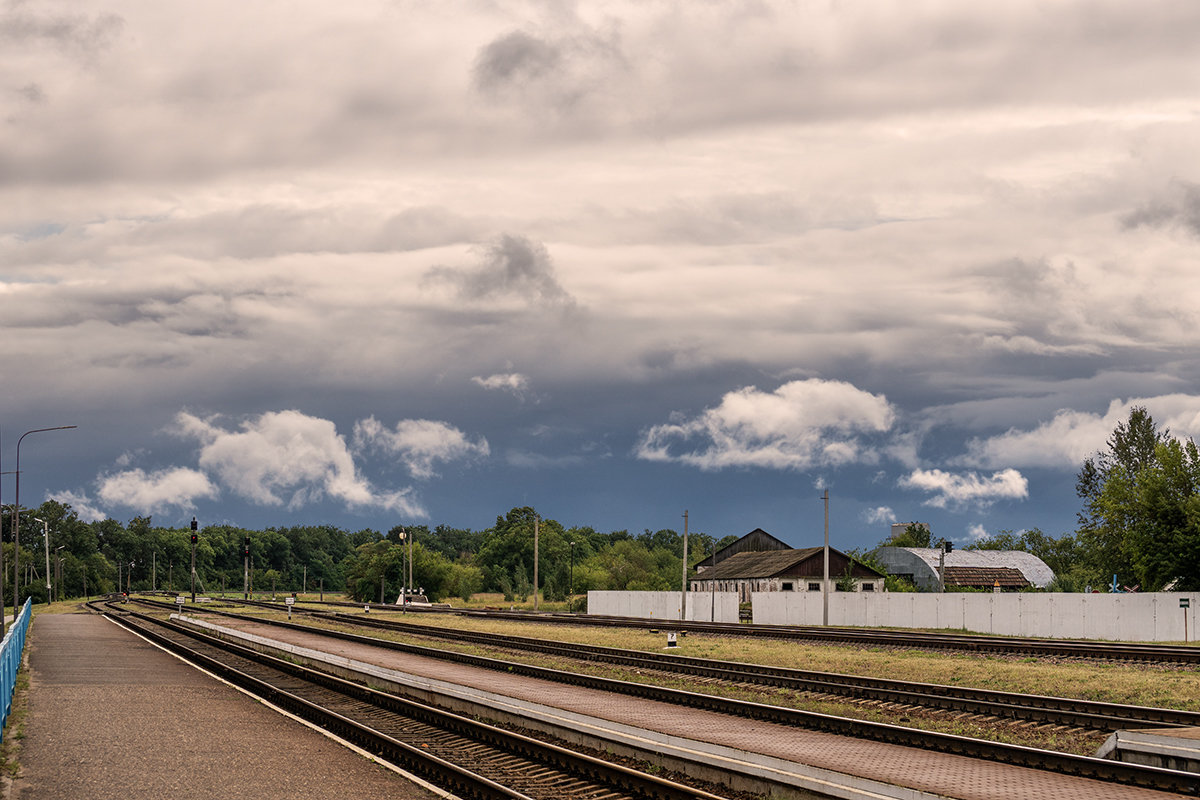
<point>766,564</point>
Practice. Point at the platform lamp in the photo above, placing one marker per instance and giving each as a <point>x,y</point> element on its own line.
<point>195,526</point>
<point>17,520</point>
<point>58,562</point>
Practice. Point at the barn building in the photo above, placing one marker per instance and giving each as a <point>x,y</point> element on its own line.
<point>758,562</point>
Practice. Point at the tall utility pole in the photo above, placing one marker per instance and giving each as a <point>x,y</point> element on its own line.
<point>825,582</point>
<point>17,522</point>
<point>403,575</point>
<point>246,568</point>
<point>536,519</point>
<point>683,589</point>
<point>195,527</point>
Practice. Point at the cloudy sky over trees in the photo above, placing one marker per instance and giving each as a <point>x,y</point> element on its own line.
<point>374,262</point>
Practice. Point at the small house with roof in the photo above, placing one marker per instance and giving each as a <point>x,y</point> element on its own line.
<point>1010,570</point>
<point>783,570</point>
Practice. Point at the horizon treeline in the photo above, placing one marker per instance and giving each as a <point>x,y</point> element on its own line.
<point>366,564</point>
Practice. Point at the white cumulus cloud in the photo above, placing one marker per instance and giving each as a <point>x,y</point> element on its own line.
<point>1072,436</point>
<point>418,443</point>
<point>513,382</point>
<point>175,487</point>
<point>84,507</point>
<point>968,489</point>
<point>801,424</point>
<point>881,514</point>
<point>287,457</point>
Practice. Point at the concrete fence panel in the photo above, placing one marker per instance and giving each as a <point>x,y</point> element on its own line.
<point>1112,617</point>
<point>701,606</point>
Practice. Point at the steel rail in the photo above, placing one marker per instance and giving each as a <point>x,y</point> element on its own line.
<point>1071,648</point>
<point>1067,648</point>
<point>1093,715</point>
<point>1041,708</point>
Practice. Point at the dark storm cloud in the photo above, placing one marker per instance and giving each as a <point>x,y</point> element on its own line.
<point>512,266</point>
<point>32,93</point>
<point>515,58</point>
<point>72,32</point>
<point>1180,209</point>
<point>556,73</point>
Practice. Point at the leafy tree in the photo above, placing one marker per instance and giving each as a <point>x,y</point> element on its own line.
<point>917,534</point>
<point>1105,483</point>
<point>1160,508</point>
<point>463,581</point>
<point>1140,519</point>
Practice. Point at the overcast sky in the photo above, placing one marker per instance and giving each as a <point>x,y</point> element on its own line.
<point>373,263</point>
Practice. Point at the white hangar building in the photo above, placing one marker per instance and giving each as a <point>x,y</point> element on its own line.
<point>1013,570</point>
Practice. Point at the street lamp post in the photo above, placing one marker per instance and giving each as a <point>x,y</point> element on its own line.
<point>195,527</point>
<point>536,519</point>
<point>58,562</point>
<point>17,520</point>
<point>46,540</point>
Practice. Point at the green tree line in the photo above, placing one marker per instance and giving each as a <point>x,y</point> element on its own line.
<point>105,556</point>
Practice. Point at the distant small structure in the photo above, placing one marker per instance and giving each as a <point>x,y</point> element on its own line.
<point>1012,570</point>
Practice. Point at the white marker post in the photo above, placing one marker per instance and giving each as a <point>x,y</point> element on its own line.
<point>1184,602</point>
<point>289,602</point>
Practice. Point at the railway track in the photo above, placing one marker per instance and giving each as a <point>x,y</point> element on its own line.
<point>467,757</point>
<point>1062,648</point>
<point>1013,754</point>
<point>1069,712</point>
<point>995,645</point>
<point>1059,711</point>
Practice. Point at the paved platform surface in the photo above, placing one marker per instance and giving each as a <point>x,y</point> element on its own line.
<point>943,774</point>
<point>112,716</point>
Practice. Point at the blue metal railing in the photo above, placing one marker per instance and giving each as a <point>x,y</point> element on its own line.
<point>10,660</point>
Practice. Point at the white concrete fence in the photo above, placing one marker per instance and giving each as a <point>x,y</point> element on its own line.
<point>1149,617</point>
<point>701,606</point>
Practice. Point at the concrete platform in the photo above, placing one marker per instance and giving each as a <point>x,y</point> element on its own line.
<point>856,766</point>
<point>112,716</point>
<point>1172,748</point>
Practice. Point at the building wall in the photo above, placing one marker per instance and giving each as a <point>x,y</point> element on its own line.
<point>1153,617</point>
<point>701,606</point>
<point>745,589</point>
